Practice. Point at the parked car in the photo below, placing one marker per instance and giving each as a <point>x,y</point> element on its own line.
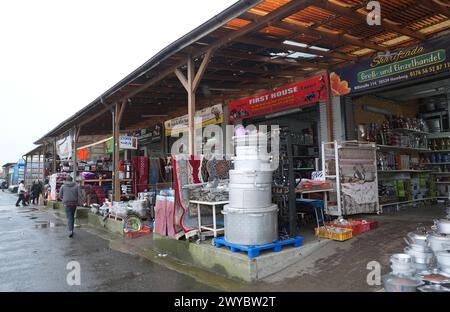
<point>13,188</point>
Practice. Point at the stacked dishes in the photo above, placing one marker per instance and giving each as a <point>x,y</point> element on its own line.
<point>250,218</point>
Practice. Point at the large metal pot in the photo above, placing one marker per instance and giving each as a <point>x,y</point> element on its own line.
<point>250,177</point>
<point>438,242</point>
<point>419,256</point>
<point>251,226</point>
<point>442,226</point>
<point>443,258</point>
<point>418,237</point>
<point>394,283</point>
<point>250,196</point>
<point>402,264</point>
<point>251,164</point>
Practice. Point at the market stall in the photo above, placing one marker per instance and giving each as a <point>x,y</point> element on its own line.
<point>401,103</point>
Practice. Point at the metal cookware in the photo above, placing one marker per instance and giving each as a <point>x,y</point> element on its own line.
<point>443,258</point>
<point>394,283</point>
<point>250,177</point>
<point>438,242</point>
<point>250,196</point>
<point>442,226</point>
<point>251,226</point>
<point>433,288</point>
<point>419,256</point>
<point>402,264</point>
<point>419,237</point>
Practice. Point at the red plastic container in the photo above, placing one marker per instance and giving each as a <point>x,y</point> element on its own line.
<point>373,224</point>
<point>356,227</point>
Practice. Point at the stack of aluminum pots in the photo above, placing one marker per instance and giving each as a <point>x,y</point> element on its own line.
<point>250,218</point>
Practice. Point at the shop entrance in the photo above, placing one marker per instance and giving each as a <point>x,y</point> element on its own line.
<point>410,125</point>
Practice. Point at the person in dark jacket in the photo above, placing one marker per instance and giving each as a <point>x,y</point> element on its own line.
<point>36,191</point>
<point>69,196</point>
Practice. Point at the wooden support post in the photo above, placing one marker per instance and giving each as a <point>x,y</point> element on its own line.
<point>191,83</point>
<point>54,156</point>
<point>76,135</point>
<point>191,105</point>
<point>118,114</point>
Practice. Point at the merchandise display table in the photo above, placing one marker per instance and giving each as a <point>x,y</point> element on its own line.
<point>210,228</point>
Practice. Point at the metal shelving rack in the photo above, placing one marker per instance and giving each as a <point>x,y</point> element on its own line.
<point>331,152</point>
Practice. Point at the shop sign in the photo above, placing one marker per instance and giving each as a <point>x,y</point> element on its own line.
<point>127,142</point>
<point>150,134</point>
<point>64,147</point>
<point>297,94</point>
<point>209,116</point>
<point>407,64</point>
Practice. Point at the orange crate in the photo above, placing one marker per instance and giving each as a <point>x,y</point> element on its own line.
<point>334,233</point>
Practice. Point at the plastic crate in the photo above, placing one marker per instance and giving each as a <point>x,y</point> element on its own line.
<point>356,227</point>
<point>337,234</point>
<point>133,234</point>
<point>373,224</point>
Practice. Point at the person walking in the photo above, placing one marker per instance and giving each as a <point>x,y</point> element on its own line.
<point>21,190</point>
<point>36,191</point>
<point>69,196</point>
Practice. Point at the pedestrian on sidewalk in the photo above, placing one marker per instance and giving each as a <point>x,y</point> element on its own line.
<point>69,195</point>
<point>21,190</point>
<point>36,191</point>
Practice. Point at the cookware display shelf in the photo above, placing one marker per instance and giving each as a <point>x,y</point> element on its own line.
<point>353,166</point>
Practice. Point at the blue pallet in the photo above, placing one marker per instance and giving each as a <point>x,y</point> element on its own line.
<point>254,251</point>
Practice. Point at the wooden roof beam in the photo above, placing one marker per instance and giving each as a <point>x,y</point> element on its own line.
<point>361,17</point>
<point>436,6</point>
<point>340,38</point>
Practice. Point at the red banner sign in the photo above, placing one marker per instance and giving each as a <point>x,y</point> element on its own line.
<point>297,94</point>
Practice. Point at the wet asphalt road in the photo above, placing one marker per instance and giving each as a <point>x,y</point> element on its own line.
<point>34,258</point>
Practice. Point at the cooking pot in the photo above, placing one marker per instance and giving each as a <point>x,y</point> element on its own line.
<point>250,177</point>
<point>443,258</point>
<point>442,226</point>
<point>438,242</point>
<point>394,283</point>
<point>418,237</point>
<point>421,257</point>
<point>401,264</point>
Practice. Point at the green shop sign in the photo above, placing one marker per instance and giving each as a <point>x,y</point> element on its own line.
<point>386,69</point>
<point>402,66</point>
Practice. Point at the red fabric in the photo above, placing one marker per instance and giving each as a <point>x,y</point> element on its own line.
<point>140,173</point>
<point>195,165</point>
<point>170,217</point>
<point>160,216</point>
<point>178,196</point>
<point>83,154</point>
<point>121,166</point>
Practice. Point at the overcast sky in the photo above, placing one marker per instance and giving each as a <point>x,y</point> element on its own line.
<point>58,56</point>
